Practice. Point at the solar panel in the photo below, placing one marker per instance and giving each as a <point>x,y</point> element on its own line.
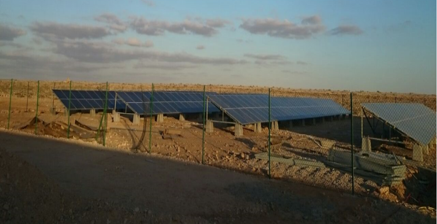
<point>166,102</point>
<point>413,119</point>
<point>87,99</point>
<point>253,108</point>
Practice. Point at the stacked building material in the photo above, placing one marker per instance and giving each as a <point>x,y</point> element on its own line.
<point>383,168</point>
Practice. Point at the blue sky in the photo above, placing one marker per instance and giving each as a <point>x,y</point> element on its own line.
<point>374,45</point>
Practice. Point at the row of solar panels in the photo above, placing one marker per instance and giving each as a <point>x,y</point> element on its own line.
<point>242,108</point>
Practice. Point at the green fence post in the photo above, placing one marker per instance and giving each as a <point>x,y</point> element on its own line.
<point>352,144</point>
<point>203,132</point>
<point>68,113</point>
<point>27,97</point>
<point>53,98</point>
<point>10,103</point>
<point>270,126</point>
<point>36,113</point>
<point>151,118</point>
<point>105,115</point>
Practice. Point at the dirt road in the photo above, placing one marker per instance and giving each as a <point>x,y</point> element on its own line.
<point>135,187</point>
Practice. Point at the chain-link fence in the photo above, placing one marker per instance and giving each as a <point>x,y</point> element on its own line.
<point>376,145</point>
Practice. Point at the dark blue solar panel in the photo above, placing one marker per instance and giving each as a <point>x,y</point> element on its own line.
<point>86,99</point>
<point>413,119</point>
<point>166,102</point>
<point>253,108</point>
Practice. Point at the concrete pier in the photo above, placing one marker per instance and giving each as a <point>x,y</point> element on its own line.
<point>209,127</point>
<point>160,118</point>
<point>257,128</point>
<point>181,117</point>
<point>238,130</point>
<point>136,119</point>
<point>115,117</point>
<point>93,112</point>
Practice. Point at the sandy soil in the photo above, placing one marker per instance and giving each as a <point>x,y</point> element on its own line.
<point>44,180</point>
<point>116,178</point>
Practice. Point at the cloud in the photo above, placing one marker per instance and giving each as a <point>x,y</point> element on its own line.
<point>206,28</point>
<point>9,33</point>
<point>312,20</point>
<point>164,66</point>
<point>283,28</point>
<point>133,42</point>
<point>346,30</point>
<point>113,21</point>
<point>294,72</point>
<point>266,56</point>
<point>31,66</point>
<point>51,30</point>
<point>200,47</point>
<point>301,63</point>
<point>149,3</point>
<point>98,52</point>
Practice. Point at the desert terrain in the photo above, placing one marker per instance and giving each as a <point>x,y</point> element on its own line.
<point>79,181</point>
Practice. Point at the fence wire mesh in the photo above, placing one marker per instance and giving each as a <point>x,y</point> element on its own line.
<point>361,152</point>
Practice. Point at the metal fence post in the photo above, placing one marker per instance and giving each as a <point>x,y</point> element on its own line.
<point>27,97</point>
<point>10,103</point>
<point>68,112</point>
<point>203,131</point>
<point>105,115</point>
<point>36,112</point>
<point>352,144</point>
<point>53,98</point>
<point>270,127</point>
<point>151,118</point>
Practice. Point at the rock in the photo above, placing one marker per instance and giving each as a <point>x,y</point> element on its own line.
<point>384,190</point>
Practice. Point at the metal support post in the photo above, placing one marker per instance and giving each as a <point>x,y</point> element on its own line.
<point>27,97</point>
<point>352,145</point>
<point>268,142</point>
<point>36,112</point>
<point>68,113</point>
<point>203,129</point>
<point>10,102</point>
<point>151,119</point>
<point>105,115</point>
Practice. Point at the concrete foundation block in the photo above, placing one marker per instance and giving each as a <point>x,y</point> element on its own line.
<point>238,130</point>
<point>181,117</point>
<point>366,145</point>
<point>115,117</point>
<point>425,149</point>
<point>417,153</point>
<point>209,127</point>
<point>136,119</point>
<point>257,128</point>
<point>93,112</point>
<point>160,118</point>
<point>275,126</point>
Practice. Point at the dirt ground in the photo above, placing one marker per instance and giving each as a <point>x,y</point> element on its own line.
<point>46,180</point>
<point>115,181</point>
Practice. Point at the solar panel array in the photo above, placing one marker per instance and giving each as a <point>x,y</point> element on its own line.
<point>87,100</point>
<point>166,102</point>
<point>413,119</point>
<point>253,108</point>
<point>242,108</point>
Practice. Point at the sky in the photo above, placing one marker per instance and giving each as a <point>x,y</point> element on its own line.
<point>371,45</point>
